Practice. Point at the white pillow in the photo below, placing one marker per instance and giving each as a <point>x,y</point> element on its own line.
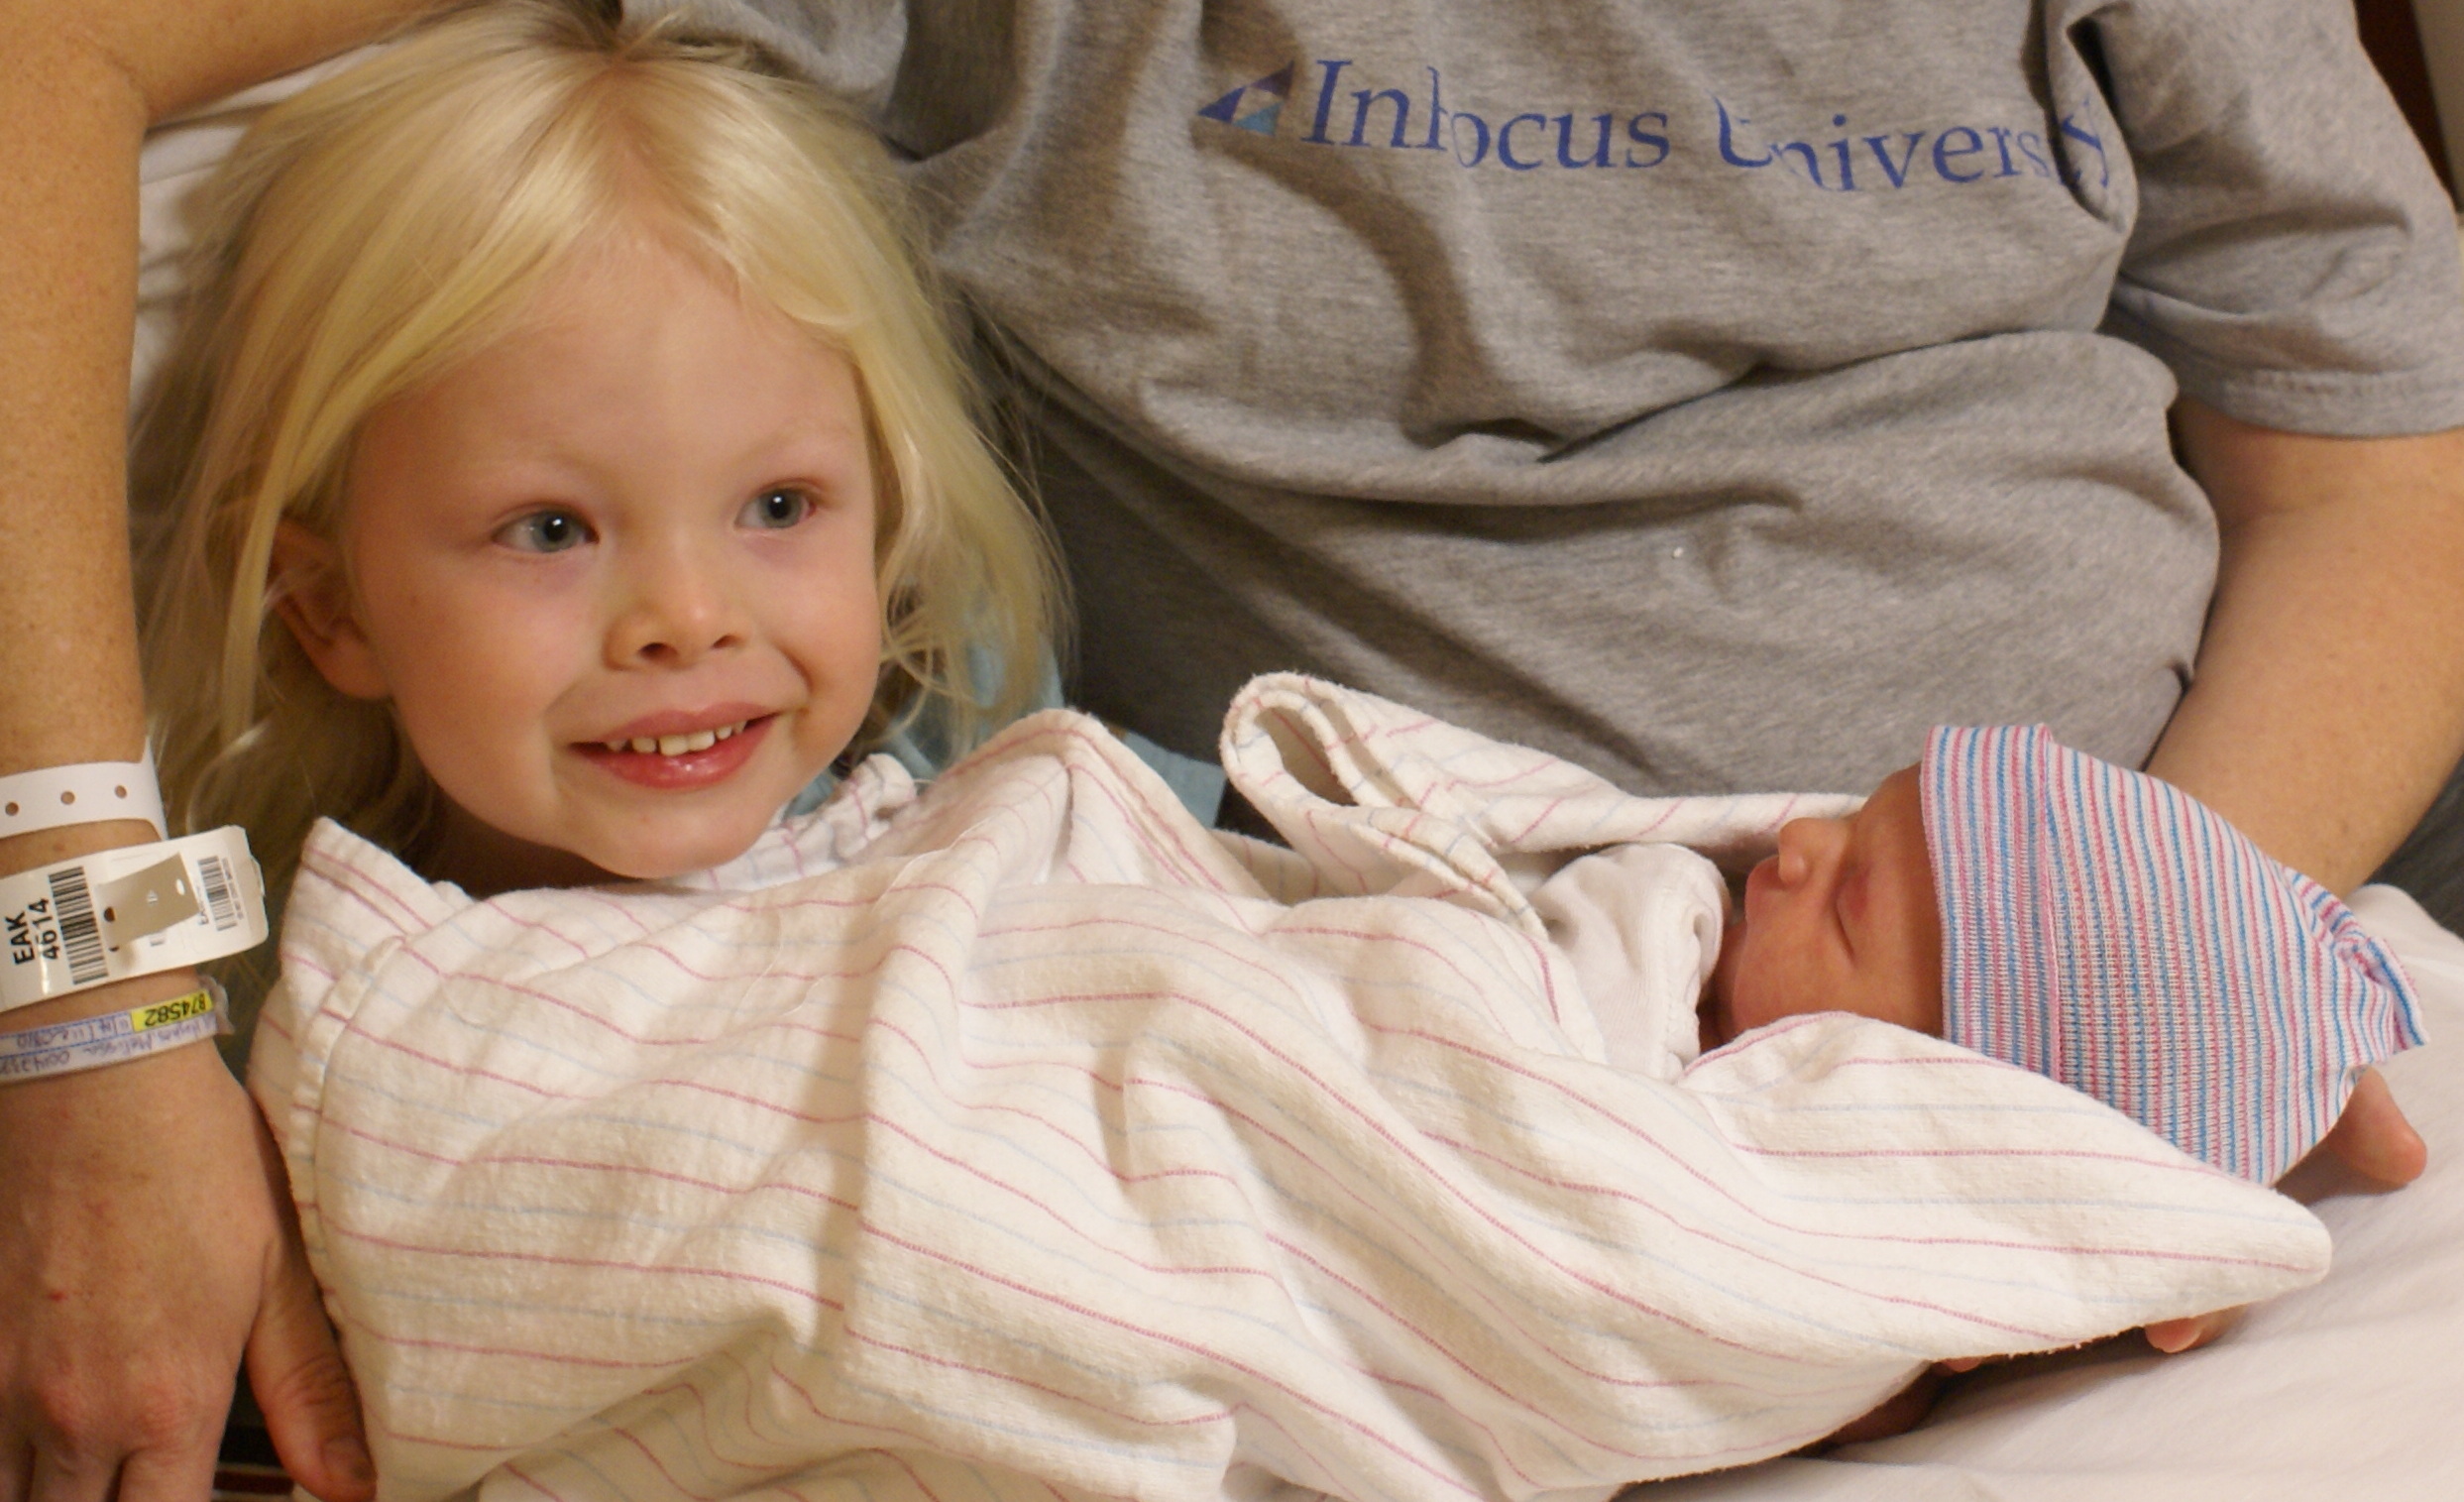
<point>2351,1388</point>
<point>180,154</point>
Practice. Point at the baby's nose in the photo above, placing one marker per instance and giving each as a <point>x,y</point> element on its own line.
<point>1804,845</point>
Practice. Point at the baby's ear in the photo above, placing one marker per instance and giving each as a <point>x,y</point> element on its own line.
<point>308,589</point>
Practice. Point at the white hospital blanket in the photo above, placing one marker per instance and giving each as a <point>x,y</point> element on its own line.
<point>1025,1139</point>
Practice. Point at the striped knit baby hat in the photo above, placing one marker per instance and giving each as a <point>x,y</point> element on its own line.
<point>2108,930</point>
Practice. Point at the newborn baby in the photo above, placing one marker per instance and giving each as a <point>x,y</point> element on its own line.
<point>2053,911</point>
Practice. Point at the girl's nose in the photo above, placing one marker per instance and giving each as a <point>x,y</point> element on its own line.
<point>678,610</point>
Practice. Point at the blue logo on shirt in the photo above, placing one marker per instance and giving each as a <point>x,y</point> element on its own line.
<point>1844,159</point>
<point>1275,87</point>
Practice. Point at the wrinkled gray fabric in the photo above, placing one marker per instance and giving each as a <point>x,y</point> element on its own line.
<point>1715,394</point>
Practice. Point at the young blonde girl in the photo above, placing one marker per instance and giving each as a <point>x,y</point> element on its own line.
<point>395,229</point>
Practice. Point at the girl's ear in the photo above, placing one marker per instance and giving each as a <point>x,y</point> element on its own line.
<point>313,596</point>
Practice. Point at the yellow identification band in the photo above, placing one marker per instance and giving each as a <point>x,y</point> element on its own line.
<point>196,1003</point>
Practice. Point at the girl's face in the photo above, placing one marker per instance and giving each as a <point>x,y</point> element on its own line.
<point>615,575</point>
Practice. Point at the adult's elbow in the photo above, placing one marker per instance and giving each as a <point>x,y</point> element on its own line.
<point>160,57</point>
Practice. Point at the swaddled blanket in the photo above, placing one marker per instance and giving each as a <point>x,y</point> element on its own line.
<point>1024,1138</point>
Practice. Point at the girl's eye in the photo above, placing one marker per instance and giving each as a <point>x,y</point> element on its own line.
<point>777,508</point>
<point>544,532</point>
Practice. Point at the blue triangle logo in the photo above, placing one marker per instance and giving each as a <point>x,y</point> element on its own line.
<point>1260,121</point>
<point>1276,86</point>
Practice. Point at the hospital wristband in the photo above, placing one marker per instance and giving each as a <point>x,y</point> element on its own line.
<point>63,1048</point>
<point>88,792</point>
<point>133,911</point>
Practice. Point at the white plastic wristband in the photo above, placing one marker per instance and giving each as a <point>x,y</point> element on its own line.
<point>131,912</point>
<point>63,1048</point>
<point>52,797</point>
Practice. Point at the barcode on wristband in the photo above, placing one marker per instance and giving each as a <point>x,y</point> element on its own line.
<point>215,882</point>
<point>80,937</point>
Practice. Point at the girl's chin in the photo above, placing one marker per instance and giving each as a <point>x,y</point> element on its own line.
<point>485,861</point>
<point>696,848</point>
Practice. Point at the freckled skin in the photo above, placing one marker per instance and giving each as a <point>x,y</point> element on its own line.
<point>1841,918</point>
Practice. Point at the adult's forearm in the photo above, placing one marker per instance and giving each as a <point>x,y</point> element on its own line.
<point>82,81</point>
<point>141,1225</point>
<point>67,278</point>
<point>2328,704</point>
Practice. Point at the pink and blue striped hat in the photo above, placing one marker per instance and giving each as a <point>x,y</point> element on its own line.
<point>2110,931</point>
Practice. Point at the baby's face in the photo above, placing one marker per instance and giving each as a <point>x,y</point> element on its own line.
<point>1840,920</point>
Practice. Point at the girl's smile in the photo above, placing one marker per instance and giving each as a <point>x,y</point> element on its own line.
<point>679,759</point>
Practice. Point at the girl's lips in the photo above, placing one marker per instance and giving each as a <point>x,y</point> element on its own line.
<point>686,770</point>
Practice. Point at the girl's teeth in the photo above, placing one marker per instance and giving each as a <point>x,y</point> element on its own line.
<point>675,745</point>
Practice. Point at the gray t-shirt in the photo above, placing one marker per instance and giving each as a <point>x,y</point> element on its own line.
<point>1715,394</point>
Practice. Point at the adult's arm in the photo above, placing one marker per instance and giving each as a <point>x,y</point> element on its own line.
<point>144,1235</point>
<point>2327,708</point>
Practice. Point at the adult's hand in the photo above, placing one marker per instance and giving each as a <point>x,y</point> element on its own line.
<point>2372,1138</point>
<point>1897,1414</point>
<point>147,1243</point>
<point>1907,1407</point>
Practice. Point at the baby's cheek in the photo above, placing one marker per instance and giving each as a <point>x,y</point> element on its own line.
<point>1759,987</point>
<point>1924,1005</point>
<point>1909,982</point>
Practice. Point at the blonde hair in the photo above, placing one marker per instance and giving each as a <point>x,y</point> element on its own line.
<point>384,224</point>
